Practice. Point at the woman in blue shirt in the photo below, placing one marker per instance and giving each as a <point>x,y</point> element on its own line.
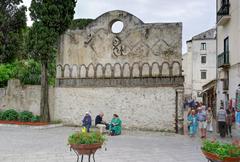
<point>193,123</point>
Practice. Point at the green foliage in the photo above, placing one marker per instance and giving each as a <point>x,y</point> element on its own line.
<point>12,24</point>
<point>223,150</point>
<point>25,116</point>
<point>7,71</point>
<point>51,18</point>
<point>35,118</point>
<point>27,71</point>
<point>10,115</point>
<point>80,23</point>
<point>86,138</point>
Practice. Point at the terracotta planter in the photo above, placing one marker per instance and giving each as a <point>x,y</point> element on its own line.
<point>86,149</point>
<point>232,159</point>
<point>215,158</point>
<point>23,123</point>
<point>211,156</point>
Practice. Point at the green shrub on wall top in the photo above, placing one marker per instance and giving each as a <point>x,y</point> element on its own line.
<point>25,116</point>
<point>27,71</point>
<point>10,115</point>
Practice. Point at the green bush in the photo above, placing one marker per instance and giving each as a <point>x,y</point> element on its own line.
<point>10,115</point>
<point>7,71</point>
<point>25,116</point>
<point>35,118</point>
<point>86,138</point>
<point>27,71</point>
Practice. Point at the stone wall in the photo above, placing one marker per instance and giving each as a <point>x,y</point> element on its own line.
<point>141,108</point>
<point>24,97</point>
<point>136,73</point>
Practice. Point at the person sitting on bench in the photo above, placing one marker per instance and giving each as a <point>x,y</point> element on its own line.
<point>99,123</point>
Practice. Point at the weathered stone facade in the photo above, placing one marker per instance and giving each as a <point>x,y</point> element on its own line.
<point>136,73</point>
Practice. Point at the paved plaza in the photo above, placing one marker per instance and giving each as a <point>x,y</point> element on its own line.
<point>23,144</point>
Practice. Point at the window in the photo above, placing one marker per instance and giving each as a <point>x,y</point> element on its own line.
<point>226,45</point>
<point>203,59</point>
<point>203,46</point>
<point>204,74</point>
<point>224,2</point>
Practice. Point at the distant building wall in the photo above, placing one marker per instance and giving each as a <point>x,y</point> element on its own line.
<point>228,28</point>
<point>202,45</point>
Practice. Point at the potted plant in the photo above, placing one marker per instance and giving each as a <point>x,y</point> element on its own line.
<point>84,143</point>
<point>221,152</point>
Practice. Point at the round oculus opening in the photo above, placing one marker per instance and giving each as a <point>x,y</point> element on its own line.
<point>117,27</point>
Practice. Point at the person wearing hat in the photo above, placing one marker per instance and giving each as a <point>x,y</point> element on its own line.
<point>202,117</point>
<point>87,121</point>
<point>115,125</point>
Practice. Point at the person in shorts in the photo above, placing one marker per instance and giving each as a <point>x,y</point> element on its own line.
<point>202,118</point>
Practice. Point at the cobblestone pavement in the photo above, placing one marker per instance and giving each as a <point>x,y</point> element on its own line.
<point>23,144</point>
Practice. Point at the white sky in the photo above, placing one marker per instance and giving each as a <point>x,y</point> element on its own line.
<point>196,15</point>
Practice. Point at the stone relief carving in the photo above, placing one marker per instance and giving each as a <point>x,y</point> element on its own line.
<point>140,49</point>
<point>118,48</point>
<point>88,40</point>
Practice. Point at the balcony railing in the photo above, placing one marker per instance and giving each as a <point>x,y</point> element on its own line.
<point>223,11</point>
<point>223,59</point>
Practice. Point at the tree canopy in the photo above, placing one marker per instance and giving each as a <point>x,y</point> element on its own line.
<point>12,23</point>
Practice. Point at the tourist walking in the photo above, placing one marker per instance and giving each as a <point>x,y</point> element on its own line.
<point>221,118</point>
<point>209,120</point>
<point>202,117</point>
<point>229,123</point>
<point>193,123</point>
<point>87,121</point>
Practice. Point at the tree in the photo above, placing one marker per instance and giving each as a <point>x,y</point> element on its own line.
<point>51,19</point>
<point>12,23</point>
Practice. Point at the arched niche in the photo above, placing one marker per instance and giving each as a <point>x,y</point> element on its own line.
<point>75,71</point>
<point>176,69</point>
<point>83,71</point>
<point>90,72</point>
<point>59,71</point>
<point>165,69</point>
<point>135,70</point>
<point>145,70</point>
<point>108,71</point>
<point>155,69</point>
<point>126,70</point>
<point>117,70</point>
<point>67,71</point>
<point>99,71</point>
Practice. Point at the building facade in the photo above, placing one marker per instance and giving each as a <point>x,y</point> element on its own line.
<point>199,63</point>
<point>228,53</point>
